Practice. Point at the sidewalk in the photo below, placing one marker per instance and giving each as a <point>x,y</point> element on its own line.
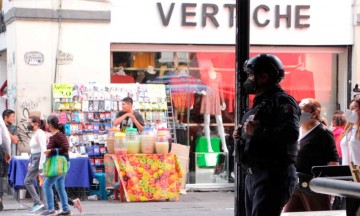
<point>192,204</point>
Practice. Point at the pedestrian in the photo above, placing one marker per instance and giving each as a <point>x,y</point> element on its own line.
<point>317,147</point>
<point>350,138</point>
<point>37,149</point>
<point>128,117</point>
<point>76,203</point>
<point>350,146</point>
<point>338,124</point>
<point>58,143</point>
<point>9,119</point>
<point>5,151</point>
<point>268,138</point>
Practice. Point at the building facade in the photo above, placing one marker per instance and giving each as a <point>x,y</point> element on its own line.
<point>188,45</point>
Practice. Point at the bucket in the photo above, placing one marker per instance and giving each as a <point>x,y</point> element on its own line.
<point>22,194</point>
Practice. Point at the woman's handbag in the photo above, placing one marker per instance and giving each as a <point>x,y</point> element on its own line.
<point>55,165</point>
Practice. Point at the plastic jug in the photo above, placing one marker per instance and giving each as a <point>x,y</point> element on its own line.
<point>120,145</point>
<point>163,141</point>
<point>132,141</point>
<point>147,140</point>
<point>111,140</point>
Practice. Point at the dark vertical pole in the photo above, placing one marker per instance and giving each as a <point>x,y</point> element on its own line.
<point>349,75</point>
<point>241,105</point>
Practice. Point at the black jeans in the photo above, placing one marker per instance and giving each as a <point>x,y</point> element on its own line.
<point>268,190</point>
<point>3,170</point>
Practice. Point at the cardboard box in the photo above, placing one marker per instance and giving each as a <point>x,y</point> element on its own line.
<point>182,153</point>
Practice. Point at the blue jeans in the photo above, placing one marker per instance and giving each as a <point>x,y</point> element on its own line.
<point>59,182</point>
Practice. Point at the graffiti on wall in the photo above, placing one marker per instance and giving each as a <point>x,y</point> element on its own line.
<point>30,105</point>
<point>26,107</point>
<point>24,133</point>
<point>11,96</point>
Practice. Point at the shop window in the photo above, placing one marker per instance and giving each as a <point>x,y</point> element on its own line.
<point>195,75</point>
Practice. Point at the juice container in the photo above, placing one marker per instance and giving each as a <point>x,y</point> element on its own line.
<point>163,136</point>
<point>120,145</point>
<point>163,141</point>
<point>132,141</point>
<point>147,140</point>
<point>111,140</point>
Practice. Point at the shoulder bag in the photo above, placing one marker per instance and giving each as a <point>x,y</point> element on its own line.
<point>55,165</point>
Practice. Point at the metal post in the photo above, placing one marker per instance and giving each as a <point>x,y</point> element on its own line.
<point>241,105</point>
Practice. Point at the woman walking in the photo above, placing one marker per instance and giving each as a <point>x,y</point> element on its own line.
<point>76,203</point>
<point>317,147</point>
<point>37,148</point>
<point>350,138</point>
<point>58,144</point>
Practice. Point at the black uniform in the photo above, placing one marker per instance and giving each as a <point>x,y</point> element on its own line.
<point>268,156</point>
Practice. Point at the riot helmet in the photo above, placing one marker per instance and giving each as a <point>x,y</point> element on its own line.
<point>265,63</point>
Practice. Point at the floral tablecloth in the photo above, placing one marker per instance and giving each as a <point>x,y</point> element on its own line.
<point>146,177</point>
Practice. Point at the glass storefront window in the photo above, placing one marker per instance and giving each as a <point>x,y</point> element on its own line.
<point>202,87</point>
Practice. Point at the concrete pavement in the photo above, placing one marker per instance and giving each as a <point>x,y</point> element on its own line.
<point>217,203</point>
<point>191,204</point>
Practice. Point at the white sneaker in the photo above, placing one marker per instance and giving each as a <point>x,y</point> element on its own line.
<point>37,207</point>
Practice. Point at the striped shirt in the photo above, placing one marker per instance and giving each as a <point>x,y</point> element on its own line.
<point>59,141</point>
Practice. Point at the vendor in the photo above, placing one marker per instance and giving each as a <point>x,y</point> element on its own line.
<point>128,117</point>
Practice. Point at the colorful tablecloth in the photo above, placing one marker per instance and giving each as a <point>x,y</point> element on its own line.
<point>146,177</point>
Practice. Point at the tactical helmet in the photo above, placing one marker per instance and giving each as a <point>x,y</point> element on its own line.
<point>266,63</point>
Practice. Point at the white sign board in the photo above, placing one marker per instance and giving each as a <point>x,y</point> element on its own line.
<point>34,58</point>
<point>272,22</point>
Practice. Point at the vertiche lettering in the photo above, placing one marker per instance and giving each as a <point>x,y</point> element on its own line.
<point>262,15</point>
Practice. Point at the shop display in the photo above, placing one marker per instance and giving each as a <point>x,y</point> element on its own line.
<point>88,110</point>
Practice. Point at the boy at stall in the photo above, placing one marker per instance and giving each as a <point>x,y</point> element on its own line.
<point>128,117</point>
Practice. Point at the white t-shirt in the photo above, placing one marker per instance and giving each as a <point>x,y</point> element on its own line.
<point>5,137</point>
<point>38,145</point>
<point>350,147</point>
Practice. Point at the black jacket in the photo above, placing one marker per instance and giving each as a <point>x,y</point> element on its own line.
<point>274,142</point>
<point>317,148</point>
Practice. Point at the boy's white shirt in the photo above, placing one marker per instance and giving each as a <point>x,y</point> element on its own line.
<point>5,136</point>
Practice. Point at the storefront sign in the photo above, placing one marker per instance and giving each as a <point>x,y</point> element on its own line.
<point>62,90</point>
<point>34,58</point>
<point>261,15</point>
<point>272,22</point>
<point>65,58</point>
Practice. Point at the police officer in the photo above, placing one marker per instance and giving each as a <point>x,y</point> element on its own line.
<point>268,138</point>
